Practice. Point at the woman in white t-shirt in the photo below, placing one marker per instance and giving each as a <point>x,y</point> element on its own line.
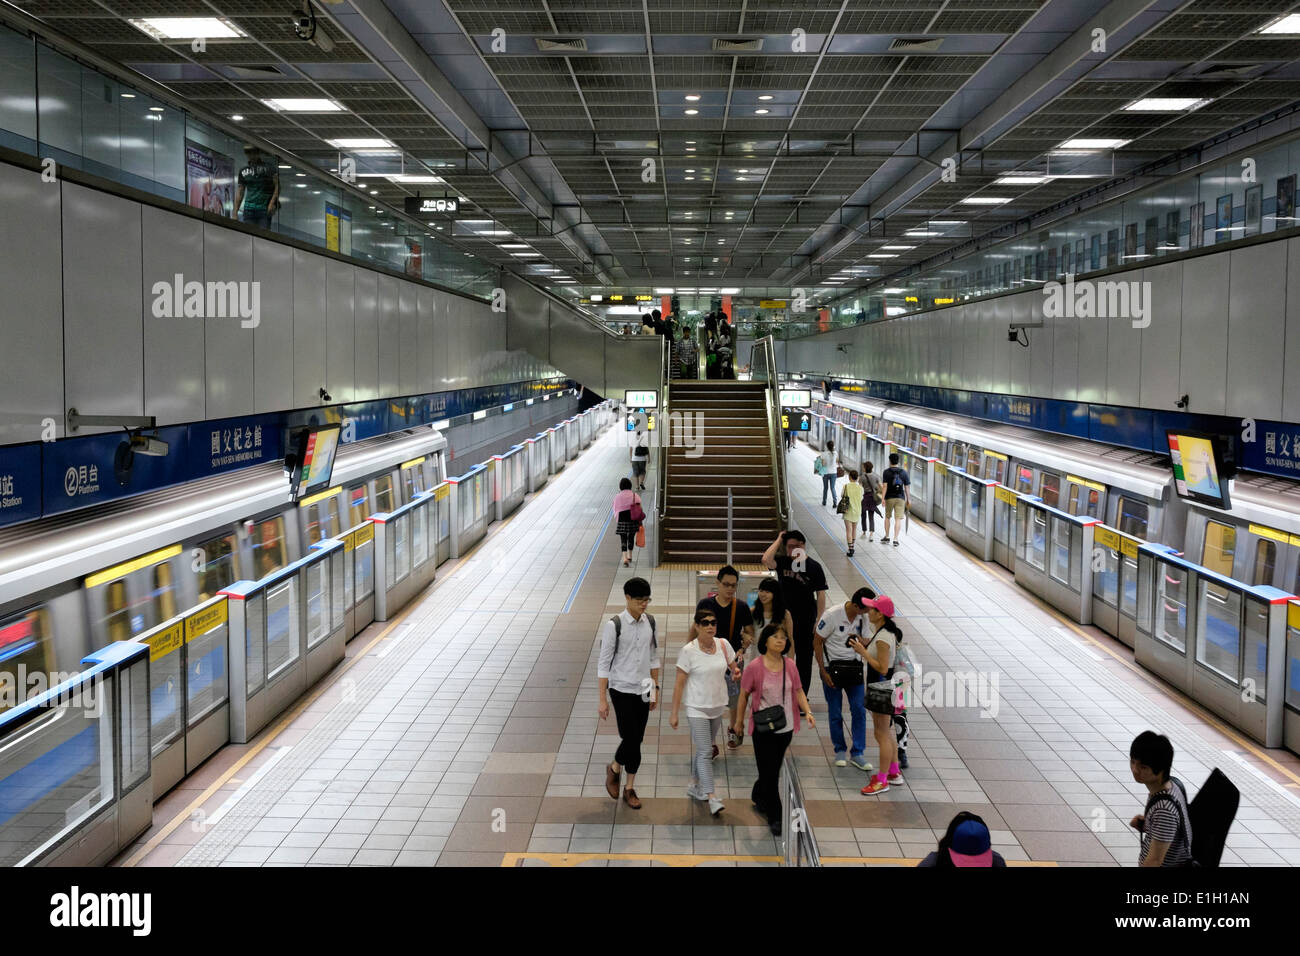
<point>879,652</point>
<point>702,688</point>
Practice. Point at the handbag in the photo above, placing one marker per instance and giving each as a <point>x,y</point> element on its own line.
<point>846,674</point>
<point>819,468</point>
<point>770,719</point>
<point>839,471</point>
<point>636,512</point>
<point>879,697</point>
<point>843,505</point>
<point>640,536</point>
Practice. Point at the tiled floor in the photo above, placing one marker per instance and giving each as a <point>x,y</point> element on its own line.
<point>476,734</point>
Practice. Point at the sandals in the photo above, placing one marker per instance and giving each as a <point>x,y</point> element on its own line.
<point>630,798</point>
<point>612,780</point>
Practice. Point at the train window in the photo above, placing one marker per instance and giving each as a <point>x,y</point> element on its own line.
<point>995,468</point>
<point>1049,489</point>
<point>164,593</point>
<point>24,643</point>
<point>118,611</point>
<point>1072,498</point>
<point>268,547</point>
<point>1265,563</point>
<point>383,494</point>
<point>360,504</point>
<point>321,519</point>
<point>218,566</point>
<point>1025,480</point>
<point>1132,517</point>
<point>1093,510</point>
<point>1220,547</point>
<point>958,454</point>
<point>973,457</point>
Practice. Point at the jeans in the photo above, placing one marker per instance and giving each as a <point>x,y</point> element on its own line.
<point>828,481</point>
<point>256,217</point>
<point>631,713</point>
<point>857,717</point>
<point>769,751</point>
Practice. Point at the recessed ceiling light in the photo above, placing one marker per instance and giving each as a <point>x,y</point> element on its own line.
<point>360,142</point>
<point>1165,104</point>
<point>690,149</point>
<point>1100,143</point>
<point>691,112</point>
<point>947,222</point>
<point>526,255</point>
<point>155,109</point>
<point>690,170</point>
<point>882,255</point>
<point>413,178</point>
<point>514,245</point>
<point>894,290</point>
<point>985,200</point>
<point>237,118</point>
<point>374,192</point>
<point>186,28</point>
<point>300,174</point>
<point>1286,25</point>
<point>765,96</point>
<point>1017,179</point>
<point>742,170</point>
<point>898,248</point>
<point>664,291</point>
<point>690,178</point>
<point>742,179</point>
<point>920,233</point>
<point>693,97</point>
<point>303,104</point>
<point>128,96</point>
<point>761,112</point>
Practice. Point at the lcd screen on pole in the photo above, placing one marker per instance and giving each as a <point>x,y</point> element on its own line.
<point>1198,468</point>
<point>636,398</point>
<point>796,398</point>
<point>316,450</point>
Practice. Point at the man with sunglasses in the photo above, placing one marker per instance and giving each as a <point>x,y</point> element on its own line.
<point>736,627</point>
<point>628,673</point>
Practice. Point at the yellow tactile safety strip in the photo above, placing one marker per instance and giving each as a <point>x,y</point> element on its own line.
<point>679,859</point>
<point>744,568</point>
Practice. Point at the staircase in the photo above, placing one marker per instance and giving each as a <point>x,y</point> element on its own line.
<point>736,454</point>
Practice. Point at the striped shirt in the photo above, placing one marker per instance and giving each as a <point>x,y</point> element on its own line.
<point>1168,821</point>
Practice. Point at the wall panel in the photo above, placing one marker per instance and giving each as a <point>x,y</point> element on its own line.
<point>1256,330</point>
<point>1202,370</point>
<point>408,354</point>
<point>228,346</point>
<point>340,370</point>
<point>273,357</point>
<point>173,344</point>
<point>365,334</point>
<point>310,330</point>
<point>1160,340</point>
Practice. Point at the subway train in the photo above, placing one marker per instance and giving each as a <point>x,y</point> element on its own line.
<point>1257,542</point>
<point>1204,596</point>
<point>71,584</point>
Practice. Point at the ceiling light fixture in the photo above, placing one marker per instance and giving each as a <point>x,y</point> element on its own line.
<point>303,104</point>
<point>1016,179</point>
<point>1165,104</point>
<point>237,118</point>
<point>1288,25</point>
<point>762,112</point>
<point>882,255</point>
<point>1093,144</point>
<point>693,97</point>
<point>360,142</point>
<point>128,96</point>
<point>187,28</point>
<point>898,248</point>
<point>985,200</point>
<point>765,96</point>
<point>691,112</point>
<point>526,255</point>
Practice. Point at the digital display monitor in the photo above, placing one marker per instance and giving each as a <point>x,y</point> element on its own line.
<point>314,460</point>
<point>1198,462</point>
<point>796,398</point>
<point>641,398</point>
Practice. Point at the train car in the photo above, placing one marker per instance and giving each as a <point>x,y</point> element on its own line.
<point>80,581</point>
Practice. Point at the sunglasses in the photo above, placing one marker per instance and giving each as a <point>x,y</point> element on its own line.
<point>709,623</point>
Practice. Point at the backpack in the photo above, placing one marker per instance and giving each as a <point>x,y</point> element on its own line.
<point>819,466</point>
<point>1210,815</point>
<point>618,633</point>
<point>896,480</point>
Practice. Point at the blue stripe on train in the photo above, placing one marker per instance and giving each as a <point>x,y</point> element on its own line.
<point>34,781</point>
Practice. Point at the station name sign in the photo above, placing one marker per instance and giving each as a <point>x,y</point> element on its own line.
<point>432,205</point>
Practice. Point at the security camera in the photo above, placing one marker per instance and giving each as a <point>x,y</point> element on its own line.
<point>304,25</point>
<point>150,445</point>
<point>325,396</point>
<point>1038,324</point>
<point>1183,402</point>
<point>1013,334</point>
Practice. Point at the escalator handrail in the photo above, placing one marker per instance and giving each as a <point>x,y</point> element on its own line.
<point>763,355</point>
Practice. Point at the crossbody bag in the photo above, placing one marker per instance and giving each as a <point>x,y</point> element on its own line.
<point>770,719</point>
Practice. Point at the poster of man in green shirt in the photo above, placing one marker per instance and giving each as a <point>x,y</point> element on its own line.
<point>258,193</point>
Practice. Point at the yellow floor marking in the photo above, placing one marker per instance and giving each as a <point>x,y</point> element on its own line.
<point>683,859</point>
<point>1146,676</point>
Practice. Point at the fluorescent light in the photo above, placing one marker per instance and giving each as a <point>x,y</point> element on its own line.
<point>360,142</point>
<point>1165,104</point>
<point>303,104</point>
<point>1093,143</point>
<point>1016,179</point>
<point>663,291</point>
<point>765,96</point>
<point>893,290</point>
<point>597,297</point>
<point>883,255</point>
<point>128,96</point>
<point>898,248</point>
<point>742,170</point>
<point>155,109</point>
<point>1286,25</point>
<point>895,310</point>
<point>730,292</point>
<point>947,222</point>
<point>691,112</point>
<point>186,28</point>
<point>524,255</point>
<point>693,97</point>
<point>985,200</point>
<point>514,245</point>
<point>761,112</point>
<point>413,178</point>
<point>920,233</point>
<point>237,118</point>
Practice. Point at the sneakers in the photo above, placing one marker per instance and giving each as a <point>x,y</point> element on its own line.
<point>885,540</point>
<point>841,761</point>
<point>896,542</point>
<point>902,758</point>
<point>716,806</point>
<point>896,780</point>
<point>715,752</point>
<point>861,764</point>
<point>733,741</point>
<point>775,827</point>
<point>693,791</point>
<point>874,787</point>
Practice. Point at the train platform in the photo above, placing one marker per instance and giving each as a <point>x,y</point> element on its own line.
<point>464,732</point>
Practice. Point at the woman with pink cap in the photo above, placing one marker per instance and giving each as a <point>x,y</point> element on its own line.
<point>879,652</point>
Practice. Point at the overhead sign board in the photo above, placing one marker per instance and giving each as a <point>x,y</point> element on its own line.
<point>637,398</point>
<point>432,205</point>
<point>796,398</point>
<point>771,303</point>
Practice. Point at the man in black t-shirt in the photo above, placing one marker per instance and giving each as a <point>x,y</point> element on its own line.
<point>735,626</point>
<point>803,586</point>
<point>897,498</point>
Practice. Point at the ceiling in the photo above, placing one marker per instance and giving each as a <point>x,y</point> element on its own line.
<point>583,149</point>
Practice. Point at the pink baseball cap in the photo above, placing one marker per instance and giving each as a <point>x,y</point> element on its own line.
<point>883,604</point>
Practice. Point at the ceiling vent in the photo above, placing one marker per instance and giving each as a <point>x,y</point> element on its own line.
<point>1225,71</point>
<point>916,45</point>
<point>562,44</point>
<point>260,71</point>
<point>737,44</point>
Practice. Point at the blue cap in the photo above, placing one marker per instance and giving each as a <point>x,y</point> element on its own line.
<point>971,845</point>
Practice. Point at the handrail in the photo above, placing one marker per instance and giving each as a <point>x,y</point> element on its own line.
<point>763,357</point>
<point>800,841</point>
<point>661,476</point>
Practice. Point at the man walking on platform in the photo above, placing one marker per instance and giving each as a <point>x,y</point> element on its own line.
<point>628,671</point>
<point>803,587</point>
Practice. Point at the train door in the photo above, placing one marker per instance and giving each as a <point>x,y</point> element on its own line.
<point>995,467</point>
<point>319,517</point>
<point>358,505</point>
<point>219,570</point>
<point>1049,489</point>
<point>132,597</point>
<point>268,551</point>
<point>1219,644</point>
<point>412,473</point>
<point>974,459</point>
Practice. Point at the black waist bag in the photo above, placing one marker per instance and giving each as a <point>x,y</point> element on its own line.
<point>771,719</point>
<point>846,674</point>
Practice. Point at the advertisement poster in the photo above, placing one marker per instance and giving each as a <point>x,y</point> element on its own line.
<point>209,180</point>
<point>1285,214</point>
<point>1223,218</point>
<point>338,229</point>
<point>1196,235</point>
<point>414,259</point>
<point>1254,210</point>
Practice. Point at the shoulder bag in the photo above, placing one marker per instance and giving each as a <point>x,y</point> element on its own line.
<point>636,512</point>
<point>846,674</point>
<point>769,719</point>
<point>733,688</point>
<point>843,506</point>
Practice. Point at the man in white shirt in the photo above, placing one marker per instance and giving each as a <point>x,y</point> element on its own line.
<point>628,671</point>
<point>835,629</point>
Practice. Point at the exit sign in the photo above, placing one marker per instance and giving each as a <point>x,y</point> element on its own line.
<point>432,205</point>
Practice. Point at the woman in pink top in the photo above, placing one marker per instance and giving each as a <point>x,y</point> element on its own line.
<point>627,527</point>
<point>771,680</point>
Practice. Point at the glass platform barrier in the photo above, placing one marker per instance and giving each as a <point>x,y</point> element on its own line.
<point>1054,556</point>
<point>406,553</point>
